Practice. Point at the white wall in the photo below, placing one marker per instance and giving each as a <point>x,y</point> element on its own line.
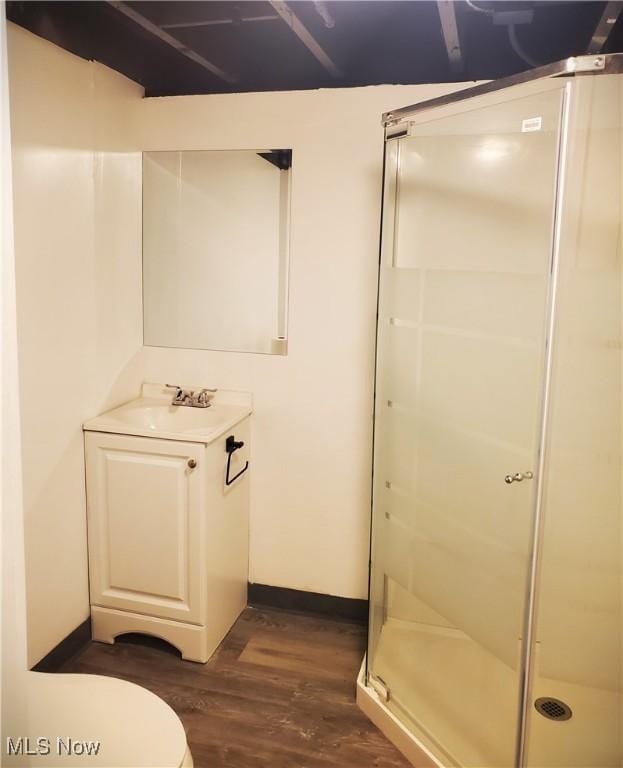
<point>76,176</point>
<point>312,427</point>
<point>13,595</point>
<point>78,250</point>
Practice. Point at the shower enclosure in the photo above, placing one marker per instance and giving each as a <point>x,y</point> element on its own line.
<point>496,614</point>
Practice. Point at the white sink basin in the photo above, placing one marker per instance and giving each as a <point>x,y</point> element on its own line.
<point>157,416</point>
<point>154,416</point>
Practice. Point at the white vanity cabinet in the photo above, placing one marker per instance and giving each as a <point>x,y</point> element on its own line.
<point>146,525</point>
<point>168,539</point>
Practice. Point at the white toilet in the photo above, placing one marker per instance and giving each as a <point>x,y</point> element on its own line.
<point>134,727</point>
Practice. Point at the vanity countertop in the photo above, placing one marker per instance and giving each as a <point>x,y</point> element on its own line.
<point>152,415</point>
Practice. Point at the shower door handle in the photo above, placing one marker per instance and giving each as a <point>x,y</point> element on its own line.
<point>518,477</point>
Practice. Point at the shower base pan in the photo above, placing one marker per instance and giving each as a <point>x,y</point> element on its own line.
<point>375,709</point>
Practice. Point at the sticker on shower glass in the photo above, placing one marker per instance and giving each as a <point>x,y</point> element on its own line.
<point>531,124</point>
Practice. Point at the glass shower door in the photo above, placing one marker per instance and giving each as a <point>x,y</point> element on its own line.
<point>462,330</point>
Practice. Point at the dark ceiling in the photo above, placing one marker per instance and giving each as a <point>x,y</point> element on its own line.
<point>220,47</point>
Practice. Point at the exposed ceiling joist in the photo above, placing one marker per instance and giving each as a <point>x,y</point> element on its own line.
<point>604,27</point>
<point>145,23</point>
<point>217,22</point>
<point>404,40</point>
<point>305,36</point>
<point>450,32</point>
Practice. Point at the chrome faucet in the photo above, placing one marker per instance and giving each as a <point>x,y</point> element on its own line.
<point>188,397</point>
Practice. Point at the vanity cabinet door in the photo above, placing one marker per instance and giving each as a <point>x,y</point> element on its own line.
<point>145,503</point>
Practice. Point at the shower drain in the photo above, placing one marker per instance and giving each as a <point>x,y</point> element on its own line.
<point>553,709</point>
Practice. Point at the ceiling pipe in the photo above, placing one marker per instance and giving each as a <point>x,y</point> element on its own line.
<point>477,8</point>
<point>518,48</point>
<point>306,37</point>
<point>323,12</point>
<point>511,20</point>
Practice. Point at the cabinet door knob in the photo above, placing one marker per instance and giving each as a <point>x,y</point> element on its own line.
<point>192,463</point>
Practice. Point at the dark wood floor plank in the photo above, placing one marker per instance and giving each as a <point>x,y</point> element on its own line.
<point>279,693</point>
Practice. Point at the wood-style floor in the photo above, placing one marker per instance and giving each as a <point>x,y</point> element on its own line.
<point>279,693</point>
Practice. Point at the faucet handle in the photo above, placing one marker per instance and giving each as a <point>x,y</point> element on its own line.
<point>179,396</point>
<point>203,396</point>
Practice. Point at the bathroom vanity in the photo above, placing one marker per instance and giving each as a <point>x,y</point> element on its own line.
<point>168,521</point>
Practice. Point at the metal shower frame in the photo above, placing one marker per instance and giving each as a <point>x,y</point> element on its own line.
<point>396,125</point>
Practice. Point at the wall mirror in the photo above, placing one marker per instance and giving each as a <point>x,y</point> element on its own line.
<point>215,249</point>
